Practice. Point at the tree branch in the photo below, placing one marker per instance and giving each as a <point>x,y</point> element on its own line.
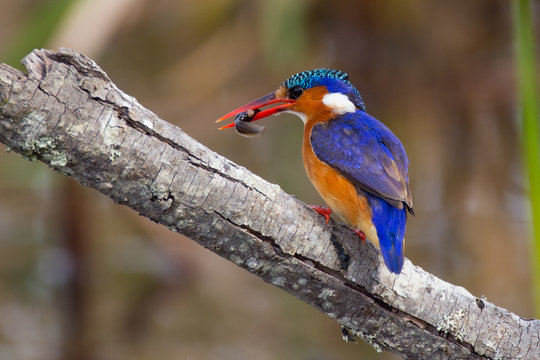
<point>67,113</point>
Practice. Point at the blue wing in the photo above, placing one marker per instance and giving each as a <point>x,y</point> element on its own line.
<point>366,152</point>
<point>372,157</point>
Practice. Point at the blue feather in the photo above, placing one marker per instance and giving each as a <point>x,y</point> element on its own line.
<point>367,153</point>
<point>390,224</point>
<point>364,150</point>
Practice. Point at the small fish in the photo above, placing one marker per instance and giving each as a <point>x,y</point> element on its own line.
<point>243,125</point>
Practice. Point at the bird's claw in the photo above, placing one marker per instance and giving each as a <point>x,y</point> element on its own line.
<point>324,211</point>
<point>360,234</point>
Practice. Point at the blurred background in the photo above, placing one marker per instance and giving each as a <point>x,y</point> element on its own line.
<point>84,278</point>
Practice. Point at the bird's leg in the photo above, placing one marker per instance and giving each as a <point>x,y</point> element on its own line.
<point>360,234</point>
<point>324,211</point>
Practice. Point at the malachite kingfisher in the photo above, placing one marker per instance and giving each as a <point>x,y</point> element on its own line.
<point>355,162</point>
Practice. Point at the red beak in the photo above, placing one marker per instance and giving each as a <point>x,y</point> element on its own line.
<point>257,104</point>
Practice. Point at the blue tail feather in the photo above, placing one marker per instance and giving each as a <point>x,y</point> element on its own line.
<point>390,224</point>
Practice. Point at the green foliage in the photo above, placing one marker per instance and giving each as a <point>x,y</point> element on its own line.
<point>284,32</point>
<point>529,115</point>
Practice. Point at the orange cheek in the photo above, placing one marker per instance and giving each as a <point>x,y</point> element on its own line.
<point>310,103</point>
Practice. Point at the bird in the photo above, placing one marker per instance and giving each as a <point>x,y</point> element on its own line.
<point>356,163</point>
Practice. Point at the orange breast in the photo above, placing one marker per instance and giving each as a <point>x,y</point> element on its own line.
<point>338,192</point>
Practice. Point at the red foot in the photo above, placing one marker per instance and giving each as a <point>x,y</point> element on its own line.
<point>360,234</point>
<point>324,211</point>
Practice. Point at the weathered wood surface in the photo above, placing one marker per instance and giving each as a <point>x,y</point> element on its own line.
<point>67,113</point>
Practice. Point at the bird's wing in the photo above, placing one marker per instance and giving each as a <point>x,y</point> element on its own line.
<point>367,153</point>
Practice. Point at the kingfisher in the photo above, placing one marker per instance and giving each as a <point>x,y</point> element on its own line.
<point>358,166</point>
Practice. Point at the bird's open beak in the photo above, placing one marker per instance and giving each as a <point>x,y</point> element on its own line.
<point>257,104</point>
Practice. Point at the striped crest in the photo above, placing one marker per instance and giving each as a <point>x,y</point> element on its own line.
<point>306,79</point>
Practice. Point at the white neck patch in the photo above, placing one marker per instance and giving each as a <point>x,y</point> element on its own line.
<point>339,103</point>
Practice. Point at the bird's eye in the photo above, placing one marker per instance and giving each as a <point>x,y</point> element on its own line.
<point>295,92</point>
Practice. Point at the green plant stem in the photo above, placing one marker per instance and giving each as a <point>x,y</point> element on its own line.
<point>529,115</point>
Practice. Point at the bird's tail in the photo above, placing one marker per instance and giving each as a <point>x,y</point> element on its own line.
<point>390,224</point>
<point>393,255</point>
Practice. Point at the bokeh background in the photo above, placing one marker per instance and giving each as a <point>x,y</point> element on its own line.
<point>84,278</point>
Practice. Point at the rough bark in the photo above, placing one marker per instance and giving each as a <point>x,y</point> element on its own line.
<point>67,113</point>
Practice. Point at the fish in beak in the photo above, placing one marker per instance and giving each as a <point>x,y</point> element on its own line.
<point>252,111</point>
